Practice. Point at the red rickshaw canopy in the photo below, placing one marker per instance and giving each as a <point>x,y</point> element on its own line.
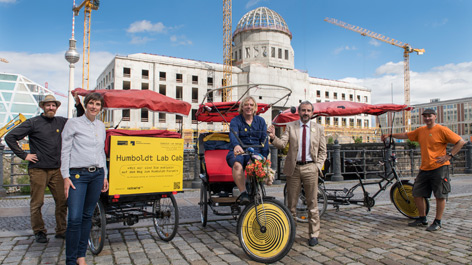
<point>137,99</point>
<point>340,108</point>
<point>223,111</point>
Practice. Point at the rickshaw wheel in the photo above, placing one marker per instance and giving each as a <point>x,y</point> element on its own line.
<point>204,204</point>
<point>403,200</point>
<point>97,232</point>
<point>272,241</point>
<point>166,217</point>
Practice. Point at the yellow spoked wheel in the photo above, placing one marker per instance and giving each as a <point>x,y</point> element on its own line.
<point>268,235</point>
<point>401,196</point>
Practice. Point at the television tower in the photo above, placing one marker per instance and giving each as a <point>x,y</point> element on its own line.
<point>72,56</point>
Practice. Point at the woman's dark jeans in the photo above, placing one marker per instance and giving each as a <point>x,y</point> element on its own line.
<point>81,204</point>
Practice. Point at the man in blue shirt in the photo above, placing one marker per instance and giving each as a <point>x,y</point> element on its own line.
<point>251,130</point>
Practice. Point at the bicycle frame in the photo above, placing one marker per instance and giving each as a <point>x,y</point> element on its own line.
<point>346,196</point>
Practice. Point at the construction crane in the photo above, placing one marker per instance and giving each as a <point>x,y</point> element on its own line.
<point>88,6</point>
<point>227,49</point>
<point>407,49</point>
<point>12,124</point>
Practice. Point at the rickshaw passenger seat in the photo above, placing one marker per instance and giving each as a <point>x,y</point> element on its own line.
<point>216,167</point>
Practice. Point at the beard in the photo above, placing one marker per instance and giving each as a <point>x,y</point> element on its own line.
<point>49,114</point>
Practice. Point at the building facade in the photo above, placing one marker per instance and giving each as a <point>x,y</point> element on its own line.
<point>456,114</point>
<point>262,54</point>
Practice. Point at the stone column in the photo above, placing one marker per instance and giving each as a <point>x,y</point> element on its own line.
<point>337,162</point>
<point>468,157</point>
<point>3,192</point>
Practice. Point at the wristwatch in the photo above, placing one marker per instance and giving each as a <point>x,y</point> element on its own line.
<point>450,154</point>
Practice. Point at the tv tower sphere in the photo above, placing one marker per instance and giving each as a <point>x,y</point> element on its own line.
<point>72,56</point>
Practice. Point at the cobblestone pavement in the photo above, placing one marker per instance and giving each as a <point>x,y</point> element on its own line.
<point>351,236</point>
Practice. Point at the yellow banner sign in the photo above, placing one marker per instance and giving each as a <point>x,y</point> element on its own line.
<point>145,165</point>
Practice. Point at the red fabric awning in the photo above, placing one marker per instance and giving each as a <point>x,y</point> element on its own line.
<point>223,111</point>
<point>340,108</point>
<point>143,133</point>
<point>137,99</point>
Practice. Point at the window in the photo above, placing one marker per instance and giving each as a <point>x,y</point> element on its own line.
<point>366,99</point>
<point>351,122</point>
<point>336,121</point>
<point>343,96</point>
<point>327,94</point>
<point>125,114</point>
<point>366,123</point>
<point>178,78</point>
<point>194,95</point>
<point>126,72</point>
<point>343,122</point>
<point>335,95</point>
<point>144,86</point>
<point>162,117</point>
<point>210,96</point>
<point>144,115</point>
<point>358,98</point>
<point>248,52</point>
<point>145,74</point>
<point>286,54</point>
<point>162,76</point>
<point>351,97</point>
<point>328,121</point>
<point>318,93</point>
<point>359,123</point>
<point>162,89</point>
<point>195,79</point>
<point>178,118</point>
<point>210,81</point>
<point>272,52</point>
<point>126,85</point>
<point>194,116</point>
<point>280,53</point>
<point>235,57</point>
<point>240,54</point>
<point>179,92</point>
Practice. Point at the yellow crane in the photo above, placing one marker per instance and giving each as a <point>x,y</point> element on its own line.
<point>88,6</point>
<point>227,49</point>
<point>12,124</point>
<point>3,60</point>
<point>407,49</point>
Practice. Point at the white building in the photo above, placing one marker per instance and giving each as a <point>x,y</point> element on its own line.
<point>262,53</point>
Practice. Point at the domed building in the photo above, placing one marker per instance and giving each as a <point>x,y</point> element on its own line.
<point>262,54</point>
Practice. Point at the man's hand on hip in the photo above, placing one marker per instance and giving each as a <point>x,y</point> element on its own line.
<point>31,158</point>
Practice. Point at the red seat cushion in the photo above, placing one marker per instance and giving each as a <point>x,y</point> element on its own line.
<point>216,167</point>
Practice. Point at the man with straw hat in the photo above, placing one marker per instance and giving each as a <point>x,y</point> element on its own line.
<point>44,134</point>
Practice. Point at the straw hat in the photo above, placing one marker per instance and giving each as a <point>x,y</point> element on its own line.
<point>49,98</point>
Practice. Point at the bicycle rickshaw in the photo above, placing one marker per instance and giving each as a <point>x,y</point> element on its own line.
<point>145,169</point>
<point>266,229</point>
<point>401,190</point>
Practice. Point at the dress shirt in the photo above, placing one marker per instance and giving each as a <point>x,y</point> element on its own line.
<point>83,145</point>
<point>308,142</point>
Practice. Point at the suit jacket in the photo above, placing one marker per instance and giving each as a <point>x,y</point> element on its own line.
<point>291,137</point>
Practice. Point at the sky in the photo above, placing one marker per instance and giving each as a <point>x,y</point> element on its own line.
<point>34,37</point>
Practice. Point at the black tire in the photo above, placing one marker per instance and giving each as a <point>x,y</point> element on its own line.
<point>203,204</point>
<point>302,209</point>
<point>97,236</point>
<point>166,217</point>
<point>276,241</point>
<point>403,200</point>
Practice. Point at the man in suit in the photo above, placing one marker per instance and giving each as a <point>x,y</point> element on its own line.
<point>305,158</point>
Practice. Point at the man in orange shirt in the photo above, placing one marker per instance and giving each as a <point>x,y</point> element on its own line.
<point>434,172</point>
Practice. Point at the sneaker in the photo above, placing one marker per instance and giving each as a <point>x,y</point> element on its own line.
<point>61,236</point>
<point>243,199</point>
<point>41,237</point>
<point>419,222</point>
<point>433,227</point>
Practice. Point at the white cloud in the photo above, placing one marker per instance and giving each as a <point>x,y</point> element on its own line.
<point>8,1</point>
<point>54,69</point>
<point>374,42</point>
<point>439,23</point>
<point>445,82</point>
<point>146,26</point>
<point>140,40</point>
<point>251,3</point>
<point>344,48</point>
<point>180,40</point>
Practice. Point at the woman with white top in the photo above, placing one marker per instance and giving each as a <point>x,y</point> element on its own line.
<point>83,167</point>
